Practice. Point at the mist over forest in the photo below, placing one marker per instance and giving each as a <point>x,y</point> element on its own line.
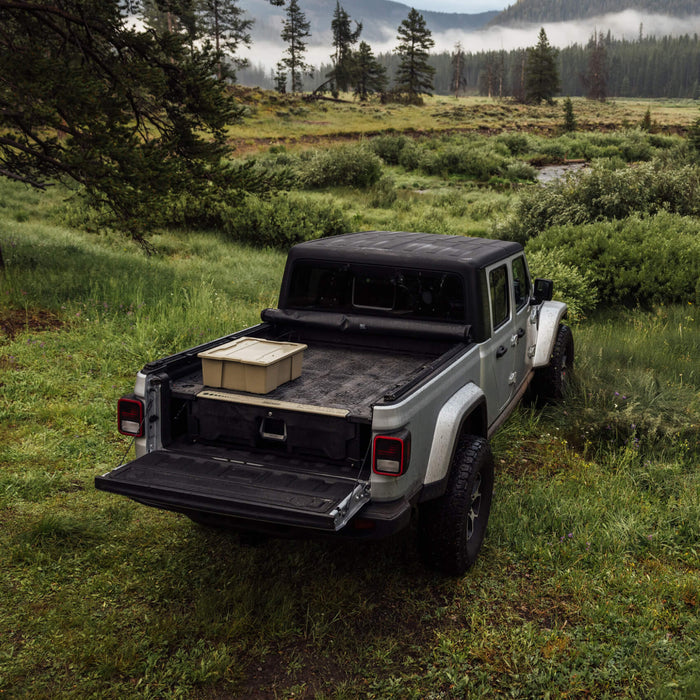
<point>267,47</point>
<point>648,55</point>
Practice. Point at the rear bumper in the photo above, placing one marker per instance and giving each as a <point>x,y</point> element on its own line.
<point>376,521</point>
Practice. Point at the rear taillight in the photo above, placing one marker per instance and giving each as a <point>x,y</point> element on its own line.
<point>392,453</point>
<point>130,417</point>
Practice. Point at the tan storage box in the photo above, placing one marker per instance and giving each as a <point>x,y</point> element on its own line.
<point>250,364</point>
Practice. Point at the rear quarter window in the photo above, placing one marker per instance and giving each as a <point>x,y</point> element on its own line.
<point>500,298</point>
<point>521,282</point>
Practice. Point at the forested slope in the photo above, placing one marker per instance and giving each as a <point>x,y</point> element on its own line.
<point>535,11</point>
<point>652,67</point>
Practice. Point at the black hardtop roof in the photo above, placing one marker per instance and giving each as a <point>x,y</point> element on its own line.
<point>428,250</point>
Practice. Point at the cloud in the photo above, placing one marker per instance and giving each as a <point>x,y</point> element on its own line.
<point>622,25</point>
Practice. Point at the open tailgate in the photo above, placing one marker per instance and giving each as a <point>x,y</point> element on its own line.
<point>242,486</point>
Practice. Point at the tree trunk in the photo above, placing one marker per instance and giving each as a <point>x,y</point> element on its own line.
<point>2,261</point>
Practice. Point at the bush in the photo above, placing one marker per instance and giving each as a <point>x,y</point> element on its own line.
<point>410,156</point>
<point>389,148</point>
<point>603,194</point>
<point>550,152</point>
<point>632,145</point>
<point>480,162</point>
<point>518,171</point>
<point>276,222</point>
<point>517,144</point>
<point>642,260</point>
<point>283,220</point>
<point>352,166</point>
<point>576,288</point>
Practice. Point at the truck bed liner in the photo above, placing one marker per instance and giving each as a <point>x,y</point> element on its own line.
<point>346,378</point>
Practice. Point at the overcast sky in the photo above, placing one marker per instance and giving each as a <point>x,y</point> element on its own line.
<point>467,6</point>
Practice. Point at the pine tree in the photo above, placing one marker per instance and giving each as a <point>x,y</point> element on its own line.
<point>569,118</point>
<point>295,29</point>
<point>171,17</point>
<point>279,78</point>
<point>225,22</point>
<point>595,80</point>
<point>414,75</point>
<point>344,38</point>
<point>541,73</point>
<point>368,76</point>
<point>459,79</point>
<point>694,138</point>
<point>493,74</point>
<point>518,75</point>
<point>130,115</point>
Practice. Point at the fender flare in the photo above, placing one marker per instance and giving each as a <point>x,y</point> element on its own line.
<point>448,428</point>
<point>550,315</point>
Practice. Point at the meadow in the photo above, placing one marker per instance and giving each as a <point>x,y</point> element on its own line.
<point>588,584</point>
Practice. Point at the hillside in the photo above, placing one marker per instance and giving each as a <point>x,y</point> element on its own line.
<point>536,11</point>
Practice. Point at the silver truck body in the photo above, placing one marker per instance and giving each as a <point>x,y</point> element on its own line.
<point>454,381</point>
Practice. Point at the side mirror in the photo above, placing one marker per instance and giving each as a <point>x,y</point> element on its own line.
<point>544,290</point>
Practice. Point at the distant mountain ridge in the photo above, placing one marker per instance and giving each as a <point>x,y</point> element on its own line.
<point>380,19</point>
<point>538,11</point>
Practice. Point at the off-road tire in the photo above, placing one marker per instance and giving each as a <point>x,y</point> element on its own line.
<point>550,383</point>
<point>452,527</point>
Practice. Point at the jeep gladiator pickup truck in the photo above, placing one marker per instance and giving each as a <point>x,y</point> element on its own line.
<point>416,348</point>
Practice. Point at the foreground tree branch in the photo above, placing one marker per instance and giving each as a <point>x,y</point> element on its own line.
<point>129,115</point>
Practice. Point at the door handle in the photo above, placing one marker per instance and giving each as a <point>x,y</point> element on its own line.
<point>502,350</point>
<point>521,332</point>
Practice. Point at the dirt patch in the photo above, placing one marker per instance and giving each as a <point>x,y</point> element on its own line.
<point>14,321</point>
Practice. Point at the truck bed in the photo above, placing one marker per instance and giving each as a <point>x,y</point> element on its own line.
<point>339,377</point>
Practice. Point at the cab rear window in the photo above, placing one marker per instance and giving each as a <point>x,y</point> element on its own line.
<point>405,293</point>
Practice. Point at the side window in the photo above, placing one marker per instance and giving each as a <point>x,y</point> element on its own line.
<point>500,299</point>
<point>521,282</point>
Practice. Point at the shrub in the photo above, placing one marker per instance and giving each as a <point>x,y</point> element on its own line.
<point>632,145</point>
<point>410,156</point>
<point>642,260</point>
<point>572,286</point>
<point>478,161</point>
<point>389,148</point>
<point>516,143</point>
<point>353,166</point>
<point>603,194</point>
<point>276,222</point>
<point>551,152</point>
<point>283,220</point>
<point>518,170</point>
<point>636,147</point>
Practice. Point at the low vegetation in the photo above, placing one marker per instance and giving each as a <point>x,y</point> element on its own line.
<point>587,585</point>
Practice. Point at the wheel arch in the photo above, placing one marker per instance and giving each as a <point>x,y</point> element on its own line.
<point>464,413</point>
<point>550,316</point>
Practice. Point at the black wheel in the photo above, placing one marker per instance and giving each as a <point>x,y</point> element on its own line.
<point>550,382</point>
<point>452,527</point>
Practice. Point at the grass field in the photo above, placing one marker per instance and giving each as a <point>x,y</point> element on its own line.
<point>588,584</point>
<point>285,119</point>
